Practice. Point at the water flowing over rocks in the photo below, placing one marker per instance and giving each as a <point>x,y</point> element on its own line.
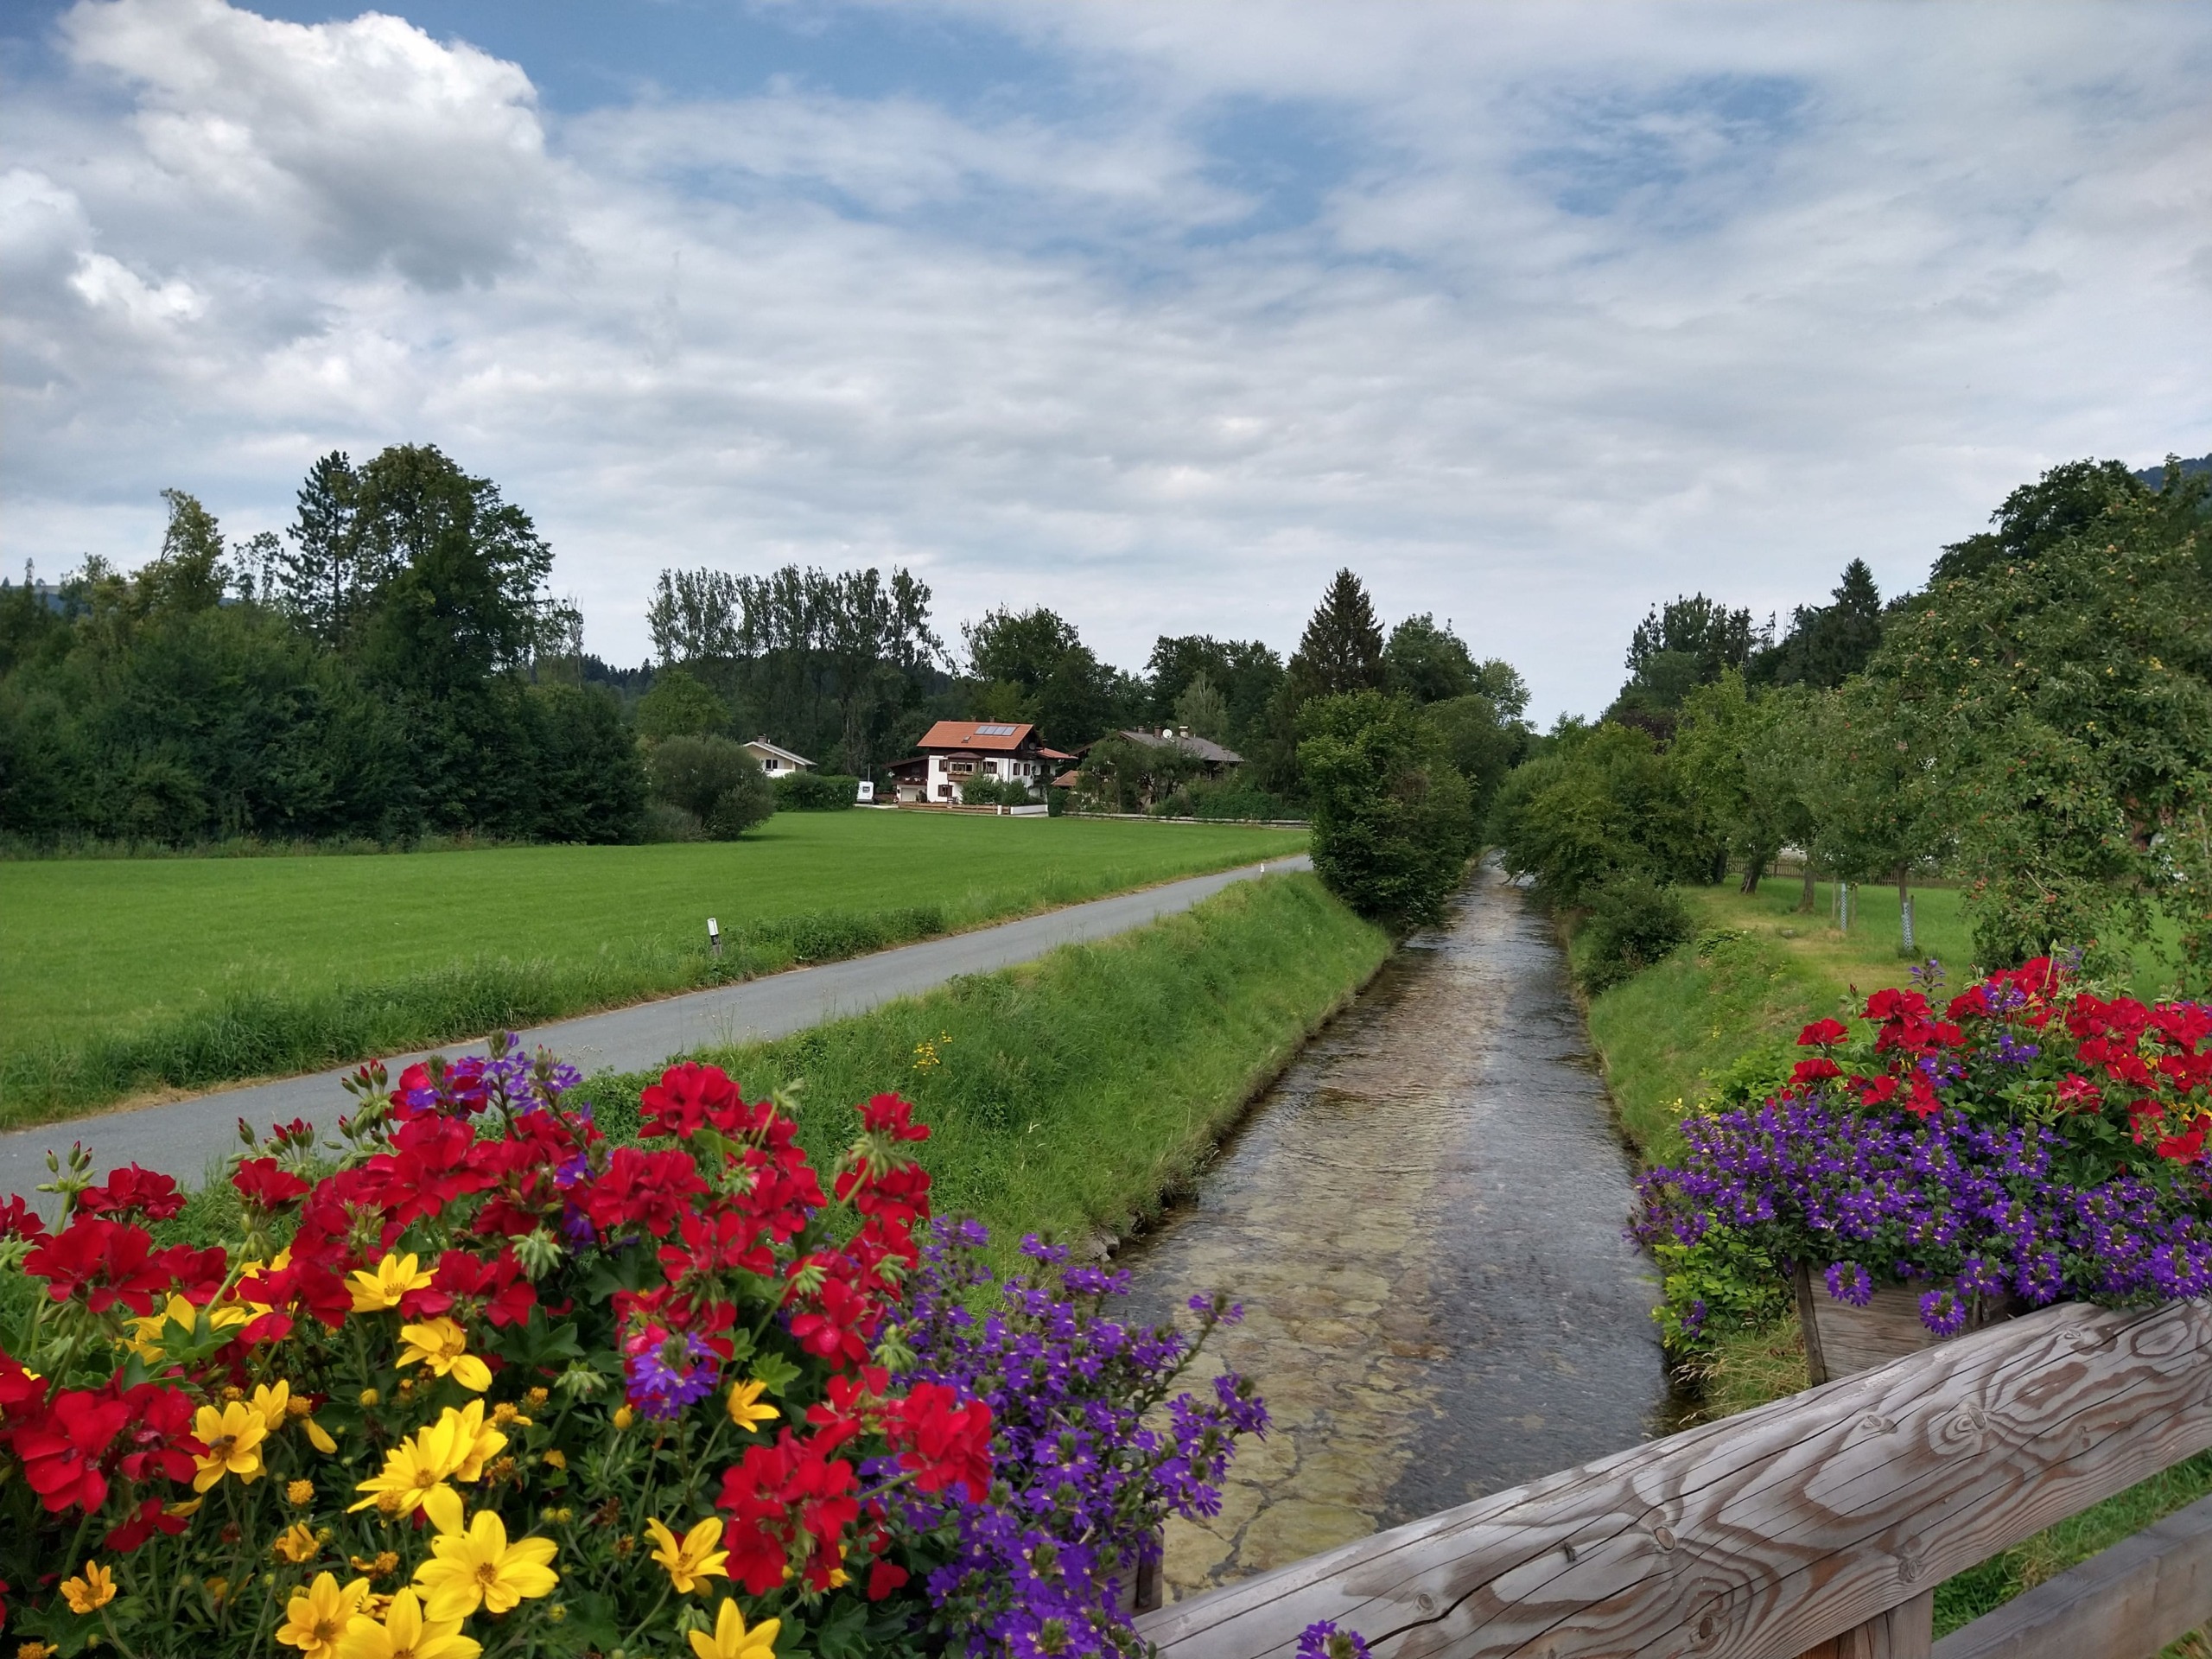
<point>1422,1219</point>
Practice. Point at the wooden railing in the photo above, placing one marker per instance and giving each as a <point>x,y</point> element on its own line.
<point>1818,1525</point>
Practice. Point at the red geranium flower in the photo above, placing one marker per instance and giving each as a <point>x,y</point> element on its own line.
<point>62,1448</point>
<point>944,1442</point>
<point>132,1190</point>
<point>686,1096</point>
<point>1823,1033</point>
<point>106,1262</point>
<point>260,1181</point>
<point>889,1115</point>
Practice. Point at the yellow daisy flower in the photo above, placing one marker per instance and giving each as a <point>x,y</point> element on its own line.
<point>317,1617</point>
<point>91,1592</point>
<point>693,1560</point>
<point>406,1633</point>
<point>455,1447</point>
<point>297,1543</point>
<point>377,1289</point>
<point>731,1639</point>
<point>478,1567</point>
<point>233,1437</point>
<point>443,1345</point>
<point>745,1407</point>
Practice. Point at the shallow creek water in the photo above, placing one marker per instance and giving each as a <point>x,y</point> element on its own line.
<point>1422,1219</point>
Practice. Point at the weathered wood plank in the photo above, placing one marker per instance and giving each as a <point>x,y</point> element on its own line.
<point>2126,1604</point>
<point>1768,1533</point>
<point>1906,1632</point>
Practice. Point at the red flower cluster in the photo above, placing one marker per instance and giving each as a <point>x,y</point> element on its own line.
<point>106,1264</point>
<point>722,1197</point>
<point>2154,1060</point>
<point>75,1443</point>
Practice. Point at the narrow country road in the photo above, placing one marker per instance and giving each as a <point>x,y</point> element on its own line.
<point>1423,1220</point>
<point>181,1138</point>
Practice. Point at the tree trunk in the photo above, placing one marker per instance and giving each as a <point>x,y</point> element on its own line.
<point>1809,897</point>
<point>1754,868</point>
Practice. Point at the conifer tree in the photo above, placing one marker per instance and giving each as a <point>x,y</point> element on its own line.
<point>319,575</point>
<point>1342,647</point>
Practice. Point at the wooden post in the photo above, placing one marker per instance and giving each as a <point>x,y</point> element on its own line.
<point>1906,1632</point>
<point>1816,1361</point>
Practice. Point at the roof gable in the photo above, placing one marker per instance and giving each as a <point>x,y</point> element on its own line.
<point>776,749</point>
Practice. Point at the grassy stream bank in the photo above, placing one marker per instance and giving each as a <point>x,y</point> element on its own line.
<point>1069,1094</point>
<point>1718,1021</point>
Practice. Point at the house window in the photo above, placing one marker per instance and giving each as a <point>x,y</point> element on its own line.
<point>961,768</point>
<point>772,762</point>
<point>944,789</point>
<point>990,768</point>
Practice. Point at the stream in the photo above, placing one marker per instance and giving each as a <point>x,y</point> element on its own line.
<point>1422,1219</point>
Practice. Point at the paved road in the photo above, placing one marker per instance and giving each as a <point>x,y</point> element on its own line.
<point>182,1138</point>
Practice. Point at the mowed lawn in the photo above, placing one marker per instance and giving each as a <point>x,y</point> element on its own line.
<point>95,951</point>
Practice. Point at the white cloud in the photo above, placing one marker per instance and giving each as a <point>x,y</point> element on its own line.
<point>1559,312</point>
<point>366,140</point>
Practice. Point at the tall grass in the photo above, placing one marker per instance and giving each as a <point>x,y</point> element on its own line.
<point>1070,1094</point>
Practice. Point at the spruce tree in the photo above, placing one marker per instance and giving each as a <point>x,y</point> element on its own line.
<point>320,576</point>
<point>1341,648</point>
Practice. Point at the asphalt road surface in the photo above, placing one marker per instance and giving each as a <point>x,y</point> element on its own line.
<point>182,1138</point>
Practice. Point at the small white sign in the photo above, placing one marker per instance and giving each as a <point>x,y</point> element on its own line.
<point>868,789</point>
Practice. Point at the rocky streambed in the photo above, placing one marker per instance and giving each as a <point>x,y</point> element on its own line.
<point>1422,1219</point>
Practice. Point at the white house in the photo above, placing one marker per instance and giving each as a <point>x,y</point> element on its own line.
<point>776,760</point>
<point>955,753</point>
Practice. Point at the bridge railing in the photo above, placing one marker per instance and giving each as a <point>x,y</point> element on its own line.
<point>1817,1525</point>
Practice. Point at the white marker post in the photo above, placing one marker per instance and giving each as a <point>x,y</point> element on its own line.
<point>714,939</point>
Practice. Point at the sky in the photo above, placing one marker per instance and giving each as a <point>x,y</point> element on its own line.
<point>1156,313</point>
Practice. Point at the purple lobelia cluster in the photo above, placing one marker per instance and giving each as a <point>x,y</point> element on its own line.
<point>1093,1445</point>
<point>1891,1195</point>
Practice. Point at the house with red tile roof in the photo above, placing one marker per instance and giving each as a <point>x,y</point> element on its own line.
<point>955,753</point>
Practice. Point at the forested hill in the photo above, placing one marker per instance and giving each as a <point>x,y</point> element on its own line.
<point>2155,476</point>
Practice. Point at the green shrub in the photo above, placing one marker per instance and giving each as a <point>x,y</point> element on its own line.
<point>664,821</point>
<point>1391,826</point>
<point>997,791</point>
<point>1634,924</point>
<point>1225,799</point>
<point>715,781</point>
<point>815,791</point>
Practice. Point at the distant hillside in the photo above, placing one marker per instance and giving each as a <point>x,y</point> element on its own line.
<point>2155,476</point>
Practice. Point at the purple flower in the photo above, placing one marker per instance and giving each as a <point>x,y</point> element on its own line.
<point>1085,1470</point>
<point>1847,1282</point>
<point>1943,1312</point>
<point>666,1376</point>
<point>1323,1640</point>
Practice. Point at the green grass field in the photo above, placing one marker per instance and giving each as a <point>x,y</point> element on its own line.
<point>124,976</point>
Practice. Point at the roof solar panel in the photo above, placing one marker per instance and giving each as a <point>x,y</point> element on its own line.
<point>995,731</point>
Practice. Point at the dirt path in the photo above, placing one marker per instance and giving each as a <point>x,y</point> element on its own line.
<point>1423,1220</point>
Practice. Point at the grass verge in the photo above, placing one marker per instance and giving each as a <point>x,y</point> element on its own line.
<point>1069,1094</point>
<point>1719,1021</point>
<point>126,977</point>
